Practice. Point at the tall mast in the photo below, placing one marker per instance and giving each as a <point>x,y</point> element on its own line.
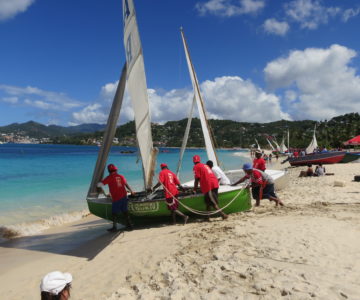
<point>209,141</point>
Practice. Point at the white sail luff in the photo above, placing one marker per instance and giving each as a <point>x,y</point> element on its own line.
<point>313,145</point>
<point>137,88</point>
<point>282,146</point>
<point>272,147</point>
<point>210,149</point>
<point>258,146</point>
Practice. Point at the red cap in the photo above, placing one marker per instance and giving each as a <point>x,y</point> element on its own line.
<point>196,159</point>
<point>112,168</point>
<point>163,166</point>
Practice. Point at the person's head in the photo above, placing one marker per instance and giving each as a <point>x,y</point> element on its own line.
<point>320,164</point>
<point>196,159</point>
<point>309,165</point>
<point>258,154</point>
<point>210,163</point>
<point>56,286</point>
<point>163,166</point>
<point>112,168</point>
<point>248,169</point>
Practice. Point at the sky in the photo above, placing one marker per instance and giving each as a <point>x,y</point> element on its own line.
<point>256,60</point>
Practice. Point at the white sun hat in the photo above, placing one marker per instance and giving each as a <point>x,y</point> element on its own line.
<point>54,282</point>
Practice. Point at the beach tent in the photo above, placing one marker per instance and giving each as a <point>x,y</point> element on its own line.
<point>354,141</point>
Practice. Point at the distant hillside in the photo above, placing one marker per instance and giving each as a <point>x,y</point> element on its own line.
<point>37,130</point>
<point>238,134</point>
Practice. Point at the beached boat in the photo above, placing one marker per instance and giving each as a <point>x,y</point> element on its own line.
<point>146,206</point>
<point>318,158</point>
<point>350,156</point>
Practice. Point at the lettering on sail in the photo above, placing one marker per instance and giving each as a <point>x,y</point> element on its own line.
<point>143,206</point>
<point>129,56</point>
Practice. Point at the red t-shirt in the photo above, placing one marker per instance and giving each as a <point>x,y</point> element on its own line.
<point>169,180</point>
<point>208,180</point>
<point>116,184</point>
<point>255,177</point>
<point>259,163</point>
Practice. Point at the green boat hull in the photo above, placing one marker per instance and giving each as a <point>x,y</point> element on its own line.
<point>152,211</point>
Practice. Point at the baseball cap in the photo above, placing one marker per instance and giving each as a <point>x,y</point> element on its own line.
<point>196,159</point>
<point>163,166</point>
<point>247,166</point>
<point>112,168</point>
<point>55,282</point>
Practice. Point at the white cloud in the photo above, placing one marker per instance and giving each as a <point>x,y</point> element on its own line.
<point>310,13</point>
<point>11,100</point>
<point>225,98</point>
<point>10,8</point>
<point>325,84</point>
<point>350,13</point>
<point>34,96</point>
<point>275,27</point>
<point>229,8</point>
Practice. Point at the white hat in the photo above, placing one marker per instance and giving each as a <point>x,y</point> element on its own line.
<point>55,282</point>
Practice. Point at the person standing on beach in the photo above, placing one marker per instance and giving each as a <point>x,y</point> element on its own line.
<point>169,181</point>
<point>259,162</point>
<point>209,184</point>
<point>56,286</point>
<point>219,174</point>
<point>262,185</point>
<point>117,186</point>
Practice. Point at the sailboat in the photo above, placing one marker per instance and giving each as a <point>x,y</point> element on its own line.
<point>224,191</point>
<point>312,157</point>
<point>146,207</point>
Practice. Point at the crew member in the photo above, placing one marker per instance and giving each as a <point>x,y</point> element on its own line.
<point>170,182</point>
<point>209,185</point>
<point>259,162</point>
<point>262,185</point>
<point>117,186</point>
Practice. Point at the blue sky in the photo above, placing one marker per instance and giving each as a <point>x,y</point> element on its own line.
<point>256,60</point>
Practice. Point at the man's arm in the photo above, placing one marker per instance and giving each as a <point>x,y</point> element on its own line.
<point>100,185</point>
<point>129,189</point>
<point>196,183</point>
<point>239,181</point>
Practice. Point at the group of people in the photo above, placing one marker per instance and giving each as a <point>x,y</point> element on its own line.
<point>319,171</point>
<point>208,176</point>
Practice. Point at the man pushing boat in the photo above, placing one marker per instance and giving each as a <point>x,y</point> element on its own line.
<point>117,187</point>
<point>262,184</point>
<point>169,181</point>
<point>209,185</point>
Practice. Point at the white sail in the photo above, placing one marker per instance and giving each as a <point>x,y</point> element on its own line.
<point>136,84</point>
<point>186,137</point>
<point>258,146</point>
<point>313,145</point>
<point>277,145</point>
<point>272,147</point>
<point>209,144</point>
<point>288,140</point>
<point>283,148</point>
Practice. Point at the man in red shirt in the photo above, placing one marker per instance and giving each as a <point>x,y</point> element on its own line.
<point>262,185</point>
<point>209,184</point>
<point>259,162</point>
<point>117,187</point>
<point>169,181</point>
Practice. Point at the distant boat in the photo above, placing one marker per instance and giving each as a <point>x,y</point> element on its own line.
<point>317,158</point>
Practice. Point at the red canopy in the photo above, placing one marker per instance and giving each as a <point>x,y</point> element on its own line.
<point>353,141</point>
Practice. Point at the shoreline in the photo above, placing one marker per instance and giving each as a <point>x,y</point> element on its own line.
<point>308,249</point>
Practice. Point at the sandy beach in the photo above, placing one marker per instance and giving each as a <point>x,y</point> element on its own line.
<point>309,249</point>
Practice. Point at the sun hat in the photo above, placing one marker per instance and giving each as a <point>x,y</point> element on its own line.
<point>247,166</point>
<point>196,159</point>
<point>112,168</point>
<point>163,166</point>
<point>55,282</point>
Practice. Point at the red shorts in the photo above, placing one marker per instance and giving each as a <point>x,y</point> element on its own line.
<point>172,203</point>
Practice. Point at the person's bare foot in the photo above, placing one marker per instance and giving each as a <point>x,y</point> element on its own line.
<point>224,216</point>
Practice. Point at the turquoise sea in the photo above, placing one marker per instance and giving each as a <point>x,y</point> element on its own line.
<point>38,182</point>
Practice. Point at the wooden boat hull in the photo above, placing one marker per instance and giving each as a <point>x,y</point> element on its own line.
<point>151,211</point>
<point>319,158</point>
<point>349,157</point>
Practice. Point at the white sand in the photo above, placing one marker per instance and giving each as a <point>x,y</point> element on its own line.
<point>309,249</point>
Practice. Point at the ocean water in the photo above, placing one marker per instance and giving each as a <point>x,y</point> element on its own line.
<point>38,182</point>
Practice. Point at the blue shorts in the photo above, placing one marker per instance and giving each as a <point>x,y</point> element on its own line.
<point>120,206</point>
